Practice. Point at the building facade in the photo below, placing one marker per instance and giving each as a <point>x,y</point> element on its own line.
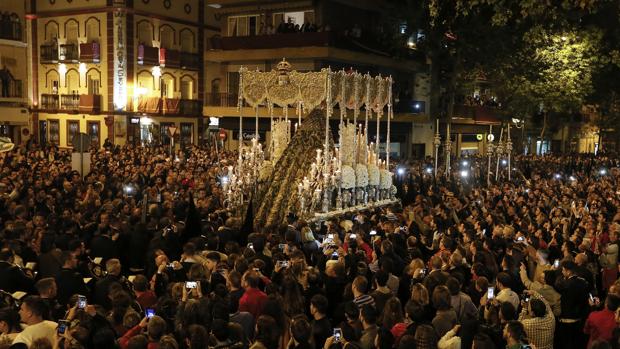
<point>124,70</point>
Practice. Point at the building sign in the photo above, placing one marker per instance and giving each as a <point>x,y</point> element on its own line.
<point>120,60</point>
<point>248,135</point>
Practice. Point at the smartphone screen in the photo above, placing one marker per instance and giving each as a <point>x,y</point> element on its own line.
<point>251,246</point>
<point>81,303</point>
<point>373,232</point>
<point>591,298</point>
<point>556,263</point>
<point>337,334</point>
<point>190,284</point>
<point>150,312</point>
<point>62,326</point>
<point>491,293</point>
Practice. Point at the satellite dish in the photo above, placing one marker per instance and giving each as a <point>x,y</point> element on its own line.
<point>81,143</point>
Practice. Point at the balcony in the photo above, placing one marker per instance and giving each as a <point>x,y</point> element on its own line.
<point>190,107</point>
<point>190,61</point>
<point>169,106</point>
<point>10,30</point>
<point>169,58</point>
<point>148,55</point>
<point>90,104</point>
<point>222,99</point>
<point>69,53</point>
<point>70,102</point>
<point>12,88</point>
<point>271,41</point>
<point>49,53</point>
<point>478,113</point>
<point>90,52</point>
<point>50,101</point>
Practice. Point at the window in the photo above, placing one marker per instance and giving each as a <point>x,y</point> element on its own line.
<point>93,133</point>
<point>73,129</point>
<point>233,82</point>
<point>54,127</point>
<point>243,25</point>
<point>165,133</point>
<point>93,85</point>
<point>187,134</point>
<point>186,89</point>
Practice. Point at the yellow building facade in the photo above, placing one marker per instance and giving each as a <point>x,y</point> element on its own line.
<point>125,70</point>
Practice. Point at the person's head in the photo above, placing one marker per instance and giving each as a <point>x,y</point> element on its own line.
<point>138,342</point>
<point>212,259</point>
<point>219,329</point>
<point>69,260</point>
<point>441,298</point>
<point>426,336</point>
<point>351,311</point>
<point>360,285</point>
<point>482,341</point>
<point>156,328</point>
<point>381,278</point>
<point>436,262</point>
<point>140,283</point>
<point>368,315</point>
<point>33,310</point>
<point>197,337</point>
<point>419,294</point>
<point>568,268</point>
<point>514,332</point>
<point>318,305</point>
<point>113,267</point>
<point>503,280</point>
<point>537,307</point>
<point>168,342</point>
<point>507,312</point>
<point>301,331</point>
<point>9,321</point>
<point>453,286</point>
<point>47,288</point>
<point>267,331</point>
<point>612,302</point>
<point>392,312</point>
<point>250,280</point>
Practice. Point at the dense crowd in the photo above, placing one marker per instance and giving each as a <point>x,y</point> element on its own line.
<point>140,253</point>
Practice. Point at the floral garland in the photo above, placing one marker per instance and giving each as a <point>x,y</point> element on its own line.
<point>386,179</point>
<point>265,171</point>
<point>347,140</point>
<point>361,175</point>
<point>280,139</point>
<point>348,177</point>
<point>374,176</point>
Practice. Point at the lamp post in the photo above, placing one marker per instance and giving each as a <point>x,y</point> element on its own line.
<point>448,146</point>
<point>509,151</point>
<point>437,143</point>
<point>499,150</point>
<point>490,148</point>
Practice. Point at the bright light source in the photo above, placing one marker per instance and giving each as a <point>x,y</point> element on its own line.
<point>224,179</point>
<point>401,171</point>
<point>558,176</point>
<point>464,173</point>
<point>504,162</point>
<point>429,170</point>
<point>527,190</point>
<point>62,69</point>
<point>156,71</point>
<point>139,91</point>
<point>82,68</point>
<point>215,5</point>
<point>572,178</point>
<point>465,163</point>
<point>564,38</point>
<point>411,43</point>
<point>417,106</point>
<point>602,171</point>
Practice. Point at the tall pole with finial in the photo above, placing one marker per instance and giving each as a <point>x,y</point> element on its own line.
<point>437,143</point>
<point>448,145</point>
<point>509,152</point>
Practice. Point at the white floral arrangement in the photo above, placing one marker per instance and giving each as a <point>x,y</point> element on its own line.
<point>279,133</point>
<point>348,177</point>
<point>361,175</point>
<point>374,176</point>
<point>347,140</point>
<point>386,179</point>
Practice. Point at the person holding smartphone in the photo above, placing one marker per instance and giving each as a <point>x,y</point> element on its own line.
<point>32,312</point>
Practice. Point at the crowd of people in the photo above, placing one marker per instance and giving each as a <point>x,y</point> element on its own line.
<point>140,253</point>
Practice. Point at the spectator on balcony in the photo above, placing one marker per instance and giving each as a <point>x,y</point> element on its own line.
<point>5,80</point>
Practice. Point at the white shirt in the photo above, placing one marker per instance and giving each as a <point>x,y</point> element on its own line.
<point>44,329</point>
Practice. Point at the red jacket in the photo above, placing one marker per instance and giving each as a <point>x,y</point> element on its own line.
<point>253,301</point>
<point>124,340</point>
<point>600,325</point>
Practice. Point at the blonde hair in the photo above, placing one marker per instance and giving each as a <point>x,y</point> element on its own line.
<point>419,294</point>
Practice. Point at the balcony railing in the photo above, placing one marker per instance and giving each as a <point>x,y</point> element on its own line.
<point>12,88</point>
<point>190,107</point>
<point>169,58</point>
<point>222,99</point>
<point>90,52</point>
<point>49,53</point>
<point>271,41</point>
<point>50,101</point>
<point>70,102</point>
<point>478,113</point>
<point>190,61</point>
<point>169,106</point>
<point>69,53</point>
<point>148,55</point>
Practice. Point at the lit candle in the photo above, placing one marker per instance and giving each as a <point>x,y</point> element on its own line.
<point>300,188</point>
<point>295,127</point>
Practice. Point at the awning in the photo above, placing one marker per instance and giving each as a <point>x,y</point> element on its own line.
<point>14,116</point>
